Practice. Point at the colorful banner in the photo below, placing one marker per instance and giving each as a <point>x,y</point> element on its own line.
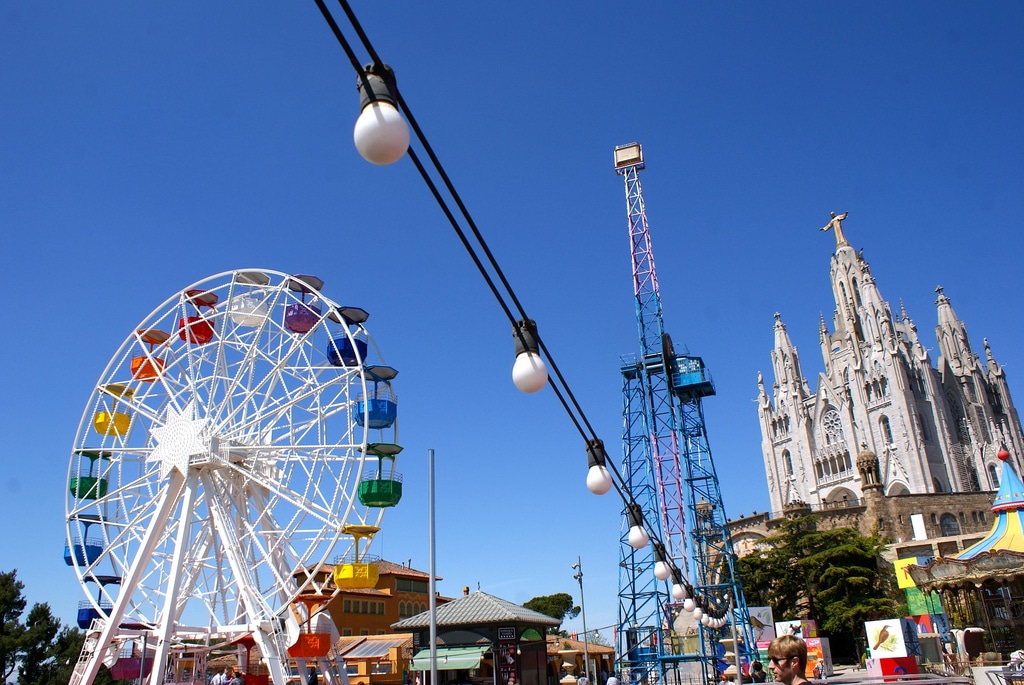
<point>919,603</point>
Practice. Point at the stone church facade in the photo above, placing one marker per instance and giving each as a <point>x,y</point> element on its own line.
<point>933,428</point>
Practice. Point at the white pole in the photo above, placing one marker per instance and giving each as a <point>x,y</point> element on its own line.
<point>583,609</point>
<point>433,571</point>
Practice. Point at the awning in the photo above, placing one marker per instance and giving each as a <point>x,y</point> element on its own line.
<point>374,649</point>
<point>449,658</point>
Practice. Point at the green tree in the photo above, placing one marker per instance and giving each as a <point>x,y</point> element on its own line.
<point>37,647</point>
<point>40,649</point>
<point>559,606</point>
<point>835,576</point>
<point>12,605</point>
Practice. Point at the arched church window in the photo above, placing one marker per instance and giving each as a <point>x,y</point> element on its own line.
<point>884,383</point>
<point>937,484</point>
<point>787,462</point>
<point>993,476</point>
<point>818,471</point>
<point>832,425</point>
<point>856,292</point>
<point>948,525</point>
<point>886,429</point>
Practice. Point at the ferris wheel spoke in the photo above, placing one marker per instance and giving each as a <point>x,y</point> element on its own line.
<point>227,528</point>
<point>169,614</point>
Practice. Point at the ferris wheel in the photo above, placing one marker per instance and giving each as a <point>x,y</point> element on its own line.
<point>241,439</point>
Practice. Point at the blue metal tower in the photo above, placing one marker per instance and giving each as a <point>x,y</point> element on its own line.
<point>670,477</point>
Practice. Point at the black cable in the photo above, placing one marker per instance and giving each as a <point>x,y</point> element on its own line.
<point>579,417</point>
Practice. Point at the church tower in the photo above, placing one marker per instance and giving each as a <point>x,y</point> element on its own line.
<point>931,429</point>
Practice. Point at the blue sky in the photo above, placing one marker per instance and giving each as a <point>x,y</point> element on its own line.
<point>147,146</point>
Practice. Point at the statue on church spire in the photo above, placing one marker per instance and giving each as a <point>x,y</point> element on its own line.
<point>837,225</point>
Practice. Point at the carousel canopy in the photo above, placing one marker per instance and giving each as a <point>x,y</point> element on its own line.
<point>999,555</point>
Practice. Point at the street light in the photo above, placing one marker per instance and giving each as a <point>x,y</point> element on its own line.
<point>583,608</point>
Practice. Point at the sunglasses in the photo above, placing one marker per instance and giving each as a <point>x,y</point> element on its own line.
<point>779,660</point>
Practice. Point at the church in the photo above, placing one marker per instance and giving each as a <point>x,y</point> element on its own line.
<point>884,419</point>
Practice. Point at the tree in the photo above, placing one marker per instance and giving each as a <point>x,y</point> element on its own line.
<point>37,647</point>
<point>12,604</point>
<point>834,576</point>
<point>559,606</point>
<point>40,649</point>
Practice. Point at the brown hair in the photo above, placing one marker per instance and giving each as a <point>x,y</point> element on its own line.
<point>789,646</point>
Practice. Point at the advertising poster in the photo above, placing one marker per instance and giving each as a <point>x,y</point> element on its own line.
<point>505,657</point>
<point>763,623</point>
<point>923,603</point>
<point>819,658</point>
<point>903,579</point>
<point>802,629</point>
<point>885,638</point>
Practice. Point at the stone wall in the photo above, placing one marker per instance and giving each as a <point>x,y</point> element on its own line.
<point>890,516</point>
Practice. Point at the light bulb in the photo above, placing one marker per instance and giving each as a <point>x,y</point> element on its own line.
<point>599,481</point>
<point>697,613</point>
<point>529,372</point>
<point>381,134</point>
<point>662,571</point>
<point>689,604</point>
<point>638,537</point>
<point>705,619</point>
<point>679,592</point>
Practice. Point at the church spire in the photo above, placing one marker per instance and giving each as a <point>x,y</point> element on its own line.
<point>952,335</point>
<point>992,366</point>
<point>786,360</point>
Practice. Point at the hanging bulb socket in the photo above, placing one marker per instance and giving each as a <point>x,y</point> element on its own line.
<point>376,84</point>
<point>662,569</point>
<point>599,480</point>
<point>381,134</point>
<point>638,537</point>
<point>529,373</point>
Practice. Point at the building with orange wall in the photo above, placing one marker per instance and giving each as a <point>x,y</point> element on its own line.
<point>400,592</point>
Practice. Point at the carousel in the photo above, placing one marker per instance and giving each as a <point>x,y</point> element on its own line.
<point>983,586</point>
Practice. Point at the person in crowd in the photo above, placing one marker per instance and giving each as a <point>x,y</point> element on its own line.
<point>787,660</point>
<point>757,672</point>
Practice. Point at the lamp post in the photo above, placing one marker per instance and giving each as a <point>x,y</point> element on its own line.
<point>583,608</point>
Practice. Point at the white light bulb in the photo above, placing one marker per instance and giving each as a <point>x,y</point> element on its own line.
<point>697,613</point>
<point>705,620</point>
<point>381,134</point>
<point>662,570</point>
<point>679,592</point>
<point>529,372</point>
<point>599,481</point>
<point>638,537</point>
<point>689,604</point>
